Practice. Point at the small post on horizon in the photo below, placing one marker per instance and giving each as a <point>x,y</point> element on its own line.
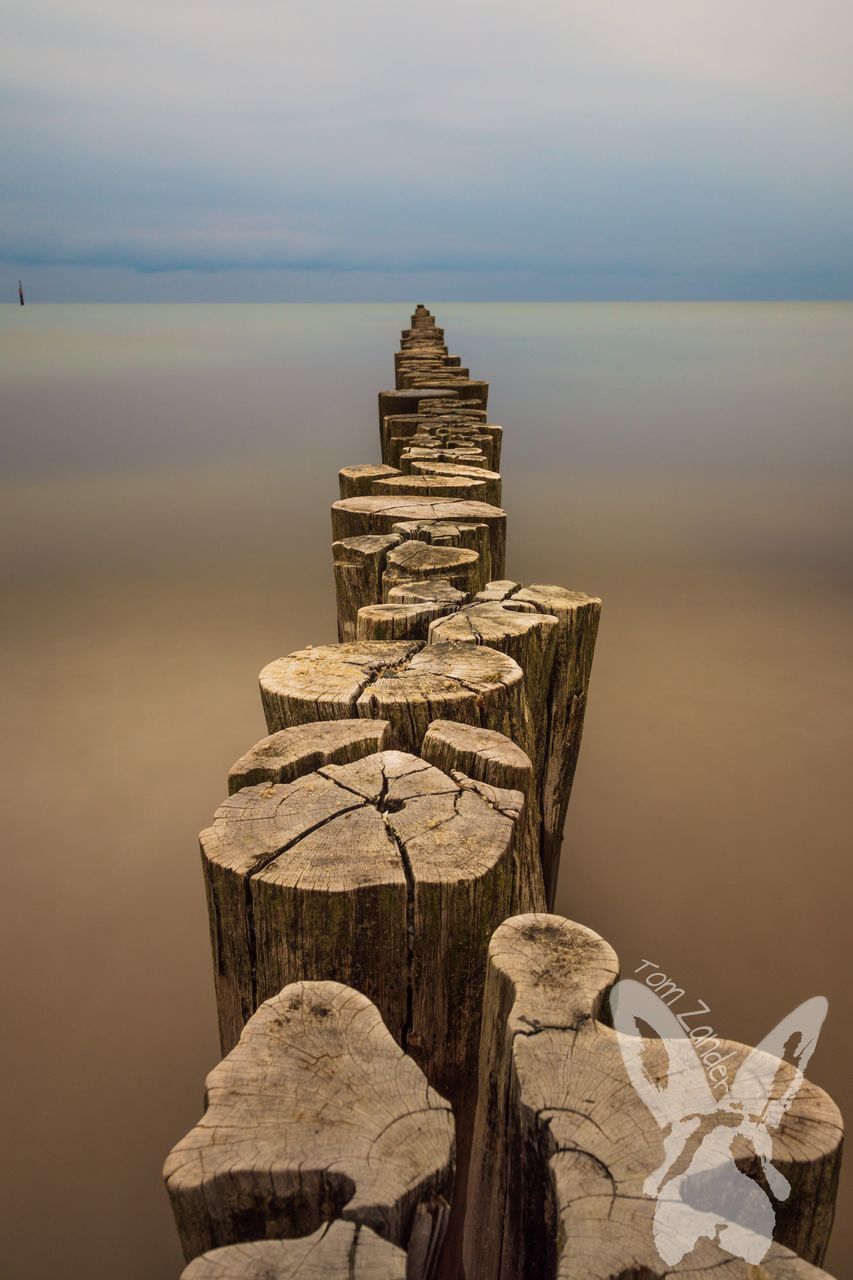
<point>21,292</point>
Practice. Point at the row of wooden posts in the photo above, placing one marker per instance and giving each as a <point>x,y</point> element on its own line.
<point>419,1076</point>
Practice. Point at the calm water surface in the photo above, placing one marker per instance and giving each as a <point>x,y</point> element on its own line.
<point>167,472</point>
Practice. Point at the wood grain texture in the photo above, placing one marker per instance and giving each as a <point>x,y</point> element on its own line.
<point>317,1114</point>
<point>355,517</point>
<point>431,485</point>
<point>400,401</point>
<point>336,1251</point>
<point>359,564</point>
<point>563,1143</point>
<point>355,482</point>
<point>529,638</point>
<point>434,591</point>
<point>472,535</point>
<point>434,387</point>
<point>290,753</point>
<point>385,874</point>
<point>577,617</point>
<point>491,479</point>
<point>398,621</point>
<point>432,451</point>
<point>402,682</point>
<point>405,437</point>
<point>415,561</point>
<point>463,750</point>
<point>439,426</point>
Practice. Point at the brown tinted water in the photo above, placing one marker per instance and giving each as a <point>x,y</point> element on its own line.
<point>167,474</point>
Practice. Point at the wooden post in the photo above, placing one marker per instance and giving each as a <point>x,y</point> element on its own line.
<point>338,1249</point>
<point>385,874</point>
<point>316,1114</point>
<point>416,561</point>
<point>563,1143</point>
<point>320,877</point>
<point>357,482</point>
<point>529,638</point>
<point>398,621</point>
<point>440,451</point>
<point>472,535</point>
<point>436,590</point>
<point>291,753</point>
<point>359,564</point>
<point>577,617</point>
<point>355,517</point>
<point>491,479</point>
<point>464,750</point>
<point>433,486</point>
<point>405,683</point>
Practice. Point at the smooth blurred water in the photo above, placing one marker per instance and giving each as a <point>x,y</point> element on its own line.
<point>167,472</point>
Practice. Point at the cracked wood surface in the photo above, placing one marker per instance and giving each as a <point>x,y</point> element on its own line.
<point>438,423</point>
<point>431,485</point>
<point>411,607</point>
<point>563,1143</point>
<point>406,683</point>
<point>359,564</point>
<point>481,755</point>
<point>491,479</point>
<point>471,535</point>
<point>316,1115</point>
<point>459,430</point>
<point>290,753</point>
<point>337,1249</point>
<point>385,874</point>
<point>444,388</point>
<point>529,638</point>
<point>355,482</point>
<point>438,451</point>
<point>550,632</point>
<point>355,517</point>
<point>436,590</point>
<point>416,561</point>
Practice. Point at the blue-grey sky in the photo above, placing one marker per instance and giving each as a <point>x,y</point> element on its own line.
<point>241,149</point>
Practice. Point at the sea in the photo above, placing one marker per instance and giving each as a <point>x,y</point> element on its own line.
<point>167,472</point>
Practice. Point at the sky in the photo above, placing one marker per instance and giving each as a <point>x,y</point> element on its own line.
<point>546,150</point>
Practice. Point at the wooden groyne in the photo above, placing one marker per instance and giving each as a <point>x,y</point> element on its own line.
<point>419,1077</point>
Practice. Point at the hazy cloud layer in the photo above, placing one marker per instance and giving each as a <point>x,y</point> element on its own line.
<point>645,148</point>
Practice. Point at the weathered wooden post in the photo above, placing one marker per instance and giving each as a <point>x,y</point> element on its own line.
<point>386,874</point>
<point>406,683</point>
<point>359,564</point>
<point>317,1114</point>
<point>467,752</point>
<point>356,517</point>
<point>342,1250</point>
<point>563,1143</point>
